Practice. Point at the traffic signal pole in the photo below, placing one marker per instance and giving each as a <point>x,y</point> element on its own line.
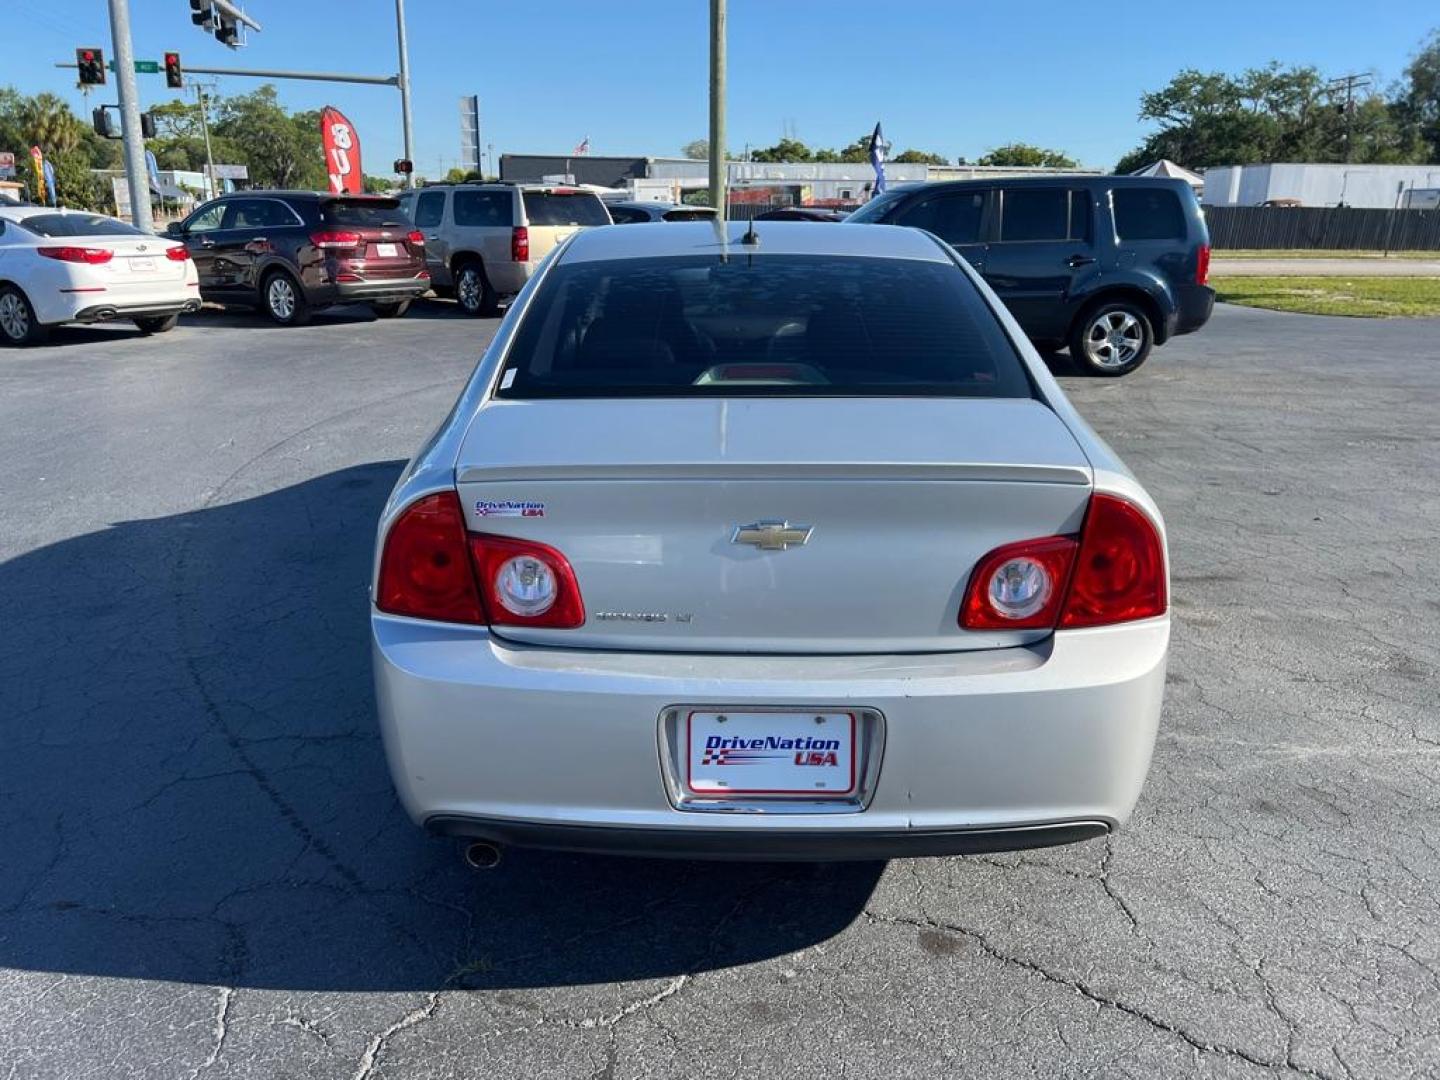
<point>135,172</point>
<point>211,189</point>
<point>404,87</point>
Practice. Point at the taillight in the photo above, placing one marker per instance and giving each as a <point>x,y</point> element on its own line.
<point>523,583</point>
<point>520,244</point>
<point>179,253</point>
<point>333,239</point>
<point>431,568</point>
<point>1113,572</point>
<point>1019,586</point>
<point>425,567</point>
<point>416,237</point>
<point>92,256</point>
<point>1120,569</point>
<point>1202,266</point>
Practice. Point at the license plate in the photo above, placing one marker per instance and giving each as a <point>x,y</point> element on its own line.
<point>387,251</point>
<point>142,266</point>
<point>771,753</point>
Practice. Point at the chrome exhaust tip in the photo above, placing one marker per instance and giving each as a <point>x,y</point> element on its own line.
<point>480,854</point>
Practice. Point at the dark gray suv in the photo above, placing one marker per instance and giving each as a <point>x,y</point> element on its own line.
<point>1107,265</point>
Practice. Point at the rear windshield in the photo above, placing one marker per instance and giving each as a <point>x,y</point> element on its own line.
<point>364,213</point>
<point>564,208</point>
<point>76,225</point>
<point>803,325</point>
<point>700,213</point>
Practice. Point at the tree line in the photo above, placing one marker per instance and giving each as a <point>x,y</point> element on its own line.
<point>794,150</point>
<point>281,149</point>
<point>1277,113</point>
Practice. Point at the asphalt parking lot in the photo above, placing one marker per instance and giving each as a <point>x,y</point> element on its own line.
<point>206,873</point>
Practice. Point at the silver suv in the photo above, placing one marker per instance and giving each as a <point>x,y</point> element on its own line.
<point>483,241</point>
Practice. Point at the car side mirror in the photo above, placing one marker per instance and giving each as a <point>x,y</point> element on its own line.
<point>174,229</point>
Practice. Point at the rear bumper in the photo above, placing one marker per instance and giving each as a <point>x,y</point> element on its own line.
<point>383,290</point>
<point>566,748</point>
<point>508,278</point>
<point>107,312</point>
<point>771,845</point>
<point>1193,308</point>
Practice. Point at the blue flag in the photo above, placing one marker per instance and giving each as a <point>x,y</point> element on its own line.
<point>877,158</point>
<point>50,196</point>
<point>153,168</point>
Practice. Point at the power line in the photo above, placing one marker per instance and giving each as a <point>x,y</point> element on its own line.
<point>1348,83</point>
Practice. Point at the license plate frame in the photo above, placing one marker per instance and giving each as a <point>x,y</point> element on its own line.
<point>141,265</point>
<point>387,251</point>
<point>770,744</point>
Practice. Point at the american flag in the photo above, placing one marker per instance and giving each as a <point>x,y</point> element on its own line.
<point>583,148</point>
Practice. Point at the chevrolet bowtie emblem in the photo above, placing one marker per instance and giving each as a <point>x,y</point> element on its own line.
<point>772,535</point>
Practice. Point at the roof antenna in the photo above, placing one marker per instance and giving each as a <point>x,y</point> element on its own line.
<point>751,237</point>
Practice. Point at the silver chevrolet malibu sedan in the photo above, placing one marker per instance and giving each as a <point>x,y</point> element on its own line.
<point>766,543</point>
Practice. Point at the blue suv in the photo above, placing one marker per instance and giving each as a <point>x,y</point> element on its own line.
<point>1109,266</point>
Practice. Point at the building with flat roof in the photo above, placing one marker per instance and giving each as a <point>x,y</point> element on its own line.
<point>805,182</point>
<point>1381,187</point>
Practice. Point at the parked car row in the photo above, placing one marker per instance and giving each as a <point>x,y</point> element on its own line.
<point>1108,266</point>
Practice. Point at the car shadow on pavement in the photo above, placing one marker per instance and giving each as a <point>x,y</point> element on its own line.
<point>70,335</point>
<point>237,317</point>
<point>193,788</point>
<point>1061,366</point>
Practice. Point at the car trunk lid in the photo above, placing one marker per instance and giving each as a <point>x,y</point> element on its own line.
<point>140,261</point>
<point>684,519</point>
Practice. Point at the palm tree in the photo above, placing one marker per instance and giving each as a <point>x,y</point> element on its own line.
<point>50,125</point>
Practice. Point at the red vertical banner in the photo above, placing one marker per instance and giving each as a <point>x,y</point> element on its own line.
<point>342,152</point>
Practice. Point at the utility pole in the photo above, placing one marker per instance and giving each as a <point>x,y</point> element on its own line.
<point>717,108</point>
<point>1349,83</point>
<point>135,173</point>
<point>210,187</point>
<point>404,87</point>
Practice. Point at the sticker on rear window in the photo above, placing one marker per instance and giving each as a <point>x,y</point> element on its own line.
<point>509,508</point>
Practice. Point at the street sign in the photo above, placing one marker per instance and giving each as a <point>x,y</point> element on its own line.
<point>142,67</point>
<point>230,172</point>
<point>7,164</point>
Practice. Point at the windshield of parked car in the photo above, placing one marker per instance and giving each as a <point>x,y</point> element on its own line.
<point>365,213</point>
<point>564,208</point>
<point>76,225</point>
<point>875,209</point>
<point>760,325</point>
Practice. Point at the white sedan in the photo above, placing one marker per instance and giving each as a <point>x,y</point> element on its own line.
<point>61,266</point>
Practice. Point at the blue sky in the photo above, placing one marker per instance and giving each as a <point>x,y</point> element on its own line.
<point>953,76</point>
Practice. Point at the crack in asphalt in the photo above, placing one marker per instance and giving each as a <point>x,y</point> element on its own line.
<point>222,1029</point>
<point>376,1047</point>
<point>1086,991</point>
<point>609,1022</point>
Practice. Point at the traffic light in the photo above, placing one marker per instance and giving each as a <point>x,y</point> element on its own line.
<point>105,122</point>
<point>202,13</point>
<point>91,63</point>
<point>227,30</point>
<point>174,78</point>
<point>147,126</point>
